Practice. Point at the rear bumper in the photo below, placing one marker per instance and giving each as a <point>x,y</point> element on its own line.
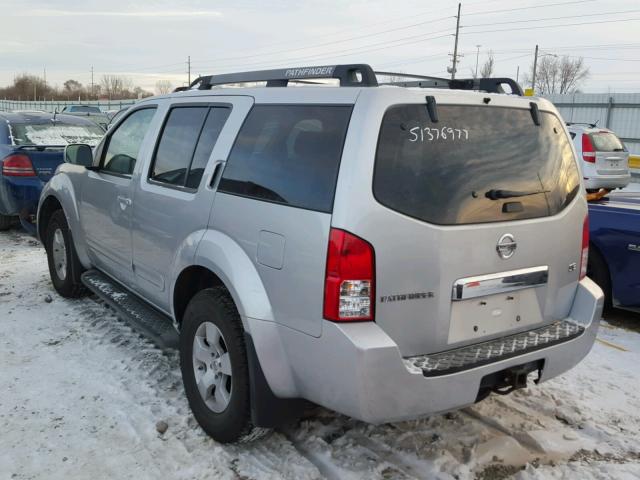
<point>19,195</point>
<point>608,181</point>
<point>357,370</point>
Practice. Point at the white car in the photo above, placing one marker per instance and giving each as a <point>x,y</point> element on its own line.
<point>605,159</point>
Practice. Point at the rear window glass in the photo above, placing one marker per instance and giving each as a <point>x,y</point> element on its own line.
<point>449,172</point>
<point>55,134</point>
<point>606,142</point>
<point>288,154</point>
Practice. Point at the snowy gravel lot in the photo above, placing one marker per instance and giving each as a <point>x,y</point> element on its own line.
<point>81,393</point>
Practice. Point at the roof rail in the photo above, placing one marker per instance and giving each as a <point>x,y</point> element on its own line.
<point>355,75</point>
<point>490,85</point>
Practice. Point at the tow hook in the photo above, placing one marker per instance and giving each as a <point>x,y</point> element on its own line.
<point>510,379</point>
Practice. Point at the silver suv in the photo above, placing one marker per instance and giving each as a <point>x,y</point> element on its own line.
<point>387,251</point>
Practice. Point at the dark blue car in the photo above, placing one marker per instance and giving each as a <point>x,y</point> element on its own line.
<point>614,251</point>
<point>31,148</point>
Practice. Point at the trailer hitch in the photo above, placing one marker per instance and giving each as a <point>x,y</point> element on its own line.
<point>510,379</point>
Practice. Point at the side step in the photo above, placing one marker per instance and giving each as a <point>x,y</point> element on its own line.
<point>142,316</point>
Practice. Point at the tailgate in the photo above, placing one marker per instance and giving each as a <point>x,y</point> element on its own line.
<point>477,225</point>
<point>612,163</point>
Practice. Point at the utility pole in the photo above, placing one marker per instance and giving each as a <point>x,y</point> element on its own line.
<point>517,73</point>
<point>535,66</point>
<point>189,70</point>
<point>477,57</point>
<point>455,47</point>
<point>91,93</point>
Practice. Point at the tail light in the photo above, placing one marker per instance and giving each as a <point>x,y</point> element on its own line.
<point>584,258</point>
<point>349,288</point>
<point>17,165</point>
<point>588,152</point>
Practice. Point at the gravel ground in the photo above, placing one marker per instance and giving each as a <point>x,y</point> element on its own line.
<point>82,394</point>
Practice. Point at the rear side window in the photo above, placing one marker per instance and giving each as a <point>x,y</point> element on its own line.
<point>186,143</point>
<point>606,142</point>
<point>288,154</point>
<point>460,169</point>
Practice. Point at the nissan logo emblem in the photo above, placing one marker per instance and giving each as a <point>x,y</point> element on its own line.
<point>506,246</point>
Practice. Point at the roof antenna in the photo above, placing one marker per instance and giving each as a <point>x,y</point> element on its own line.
<point>431,108</point>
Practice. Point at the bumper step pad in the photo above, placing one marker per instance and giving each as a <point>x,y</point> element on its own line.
<point>143,317</point>
<point>480,354</point>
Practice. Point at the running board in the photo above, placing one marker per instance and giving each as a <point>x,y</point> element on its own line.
<point>144,318</point>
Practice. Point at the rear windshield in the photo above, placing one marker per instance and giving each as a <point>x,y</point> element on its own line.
<point>55,134</point>
<point>476,164</point>
<point>606,142</point>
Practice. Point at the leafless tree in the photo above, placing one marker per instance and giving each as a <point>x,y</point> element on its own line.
<point>488,66</point>
<point>163,87</point>
<point>115,86</point>
<point>558,74</point>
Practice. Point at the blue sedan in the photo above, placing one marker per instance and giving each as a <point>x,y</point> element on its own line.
<point>31,148</point>
<point>614,251</point>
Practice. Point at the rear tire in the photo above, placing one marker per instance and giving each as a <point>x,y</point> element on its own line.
<point>64,266</point>
<point>6,222</point>
<point>598,271</point>
<point>215,371</point>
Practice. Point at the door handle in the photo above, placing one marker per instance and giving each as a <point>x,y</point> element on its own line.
<point>124,201</point>
<point>217,168</point>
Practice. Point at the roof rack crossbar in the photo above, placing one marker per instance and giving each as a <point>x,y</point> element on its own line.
<point>354,75</point>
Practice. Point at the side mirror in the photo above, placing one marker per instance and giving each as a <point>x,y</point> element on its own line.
<point>78,154</point>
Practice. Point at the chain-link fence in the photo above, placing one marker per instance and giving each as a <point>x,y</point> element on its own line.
<point>58,105</point>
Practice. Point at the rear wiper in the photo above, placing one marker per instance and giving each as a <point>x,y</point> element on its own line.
<point>495,194</point>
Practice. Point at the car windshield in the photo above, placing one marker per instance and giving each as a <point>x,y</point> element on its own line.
<point>476,164</point>
<point>606,142</point>
<point>84,109</point>
<point>55,134</point>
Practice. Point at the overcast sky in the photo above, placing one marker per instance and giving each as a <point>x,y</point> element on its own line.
<point>150,40</point>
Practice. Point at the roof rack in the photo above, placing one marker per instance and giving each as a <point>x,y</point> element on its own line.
<point>355,75</point>
<point>351,75</point>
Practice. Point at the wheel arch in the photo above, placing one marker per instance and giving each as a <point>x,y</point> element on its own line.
<point>219,260</point>
<point>49,205</point>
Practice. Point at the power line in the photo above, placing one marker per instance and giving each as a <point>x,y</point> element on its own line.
<point>341,53</point>
<point>528,8</point>
<point>357,37</point>
<point>551,18</point>
<point>404,27</point>
<point>552,26</point>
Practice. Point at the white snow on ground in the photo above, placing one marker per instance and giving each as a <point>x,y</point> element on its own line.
<point>81,393</point>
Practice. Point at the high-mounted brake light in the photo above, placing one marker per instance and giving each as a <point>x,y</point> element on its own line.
<point>588,152</point>
<point>17,165</point>
<point>349,288</point>
<point>584,258</point>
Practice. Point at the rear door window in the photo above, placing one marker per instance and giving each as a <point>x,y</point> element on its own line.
<point>186,142</point>
<point>606,142</point>
<point>288,154</point>
<point>458,170</point>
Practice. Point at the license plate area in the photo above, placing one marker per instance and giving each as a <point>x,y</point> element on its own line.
<point>491,315</point>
